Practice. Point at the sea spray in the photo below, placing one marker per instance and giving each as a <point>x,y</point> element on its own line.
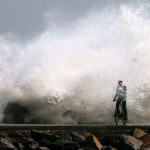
<point>70,74</point>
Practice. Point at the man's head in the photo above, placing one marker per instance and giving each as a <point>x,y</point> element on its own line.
<point>119,82</point>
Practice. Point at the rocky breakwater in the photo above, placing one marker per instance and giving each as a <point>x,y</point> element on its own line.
<point>72,140</point>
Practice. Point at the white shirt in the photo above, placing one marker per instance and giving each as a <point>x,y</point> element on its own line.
<point>121,93</point>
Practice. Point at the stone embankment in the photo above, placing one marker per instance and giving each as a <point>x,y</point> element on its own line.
<point>136,139</point>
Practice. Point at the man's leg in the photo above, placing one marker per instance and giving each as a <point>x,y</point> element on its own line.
<point>117,106</point>
<point>124,108</point>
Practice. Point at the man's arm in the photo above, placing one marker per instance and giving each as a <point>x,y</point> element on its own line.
<point>116,95</point>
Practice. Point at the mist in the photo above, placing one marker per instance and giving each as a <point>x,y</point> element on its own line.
<point>69,74</point>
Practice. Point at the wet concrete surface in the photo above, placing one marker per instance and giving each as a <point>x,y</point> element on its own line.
<point>73,127</point>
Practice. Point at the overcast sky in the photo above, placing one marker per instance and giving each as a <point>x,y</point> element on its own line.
<point>25,18</point>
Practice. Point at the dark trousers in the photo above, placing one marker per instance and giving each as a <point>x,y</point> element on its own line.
<point>123,107</point>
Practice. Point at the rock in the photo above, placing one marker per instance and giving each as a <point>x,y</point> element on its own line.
<point>18,145</point>
<point>145,148</point>
<point>142,136</point>
<point>108,148</point>
<point>32,146</point>
<point>17,135</point>
<point>86,139</point>
<point>44,142</point>
<point>78,137</point>
<point>87,148</point>
<point>138,133</point>
<point>92,141</point>
<point>44,148</point>
<point>4,135</point>
<point>146,140</point>
<point>123,142</point>
<point>67,145</point>
<point>6,144</point>
<point>67,135</point>
<point>36,135</point>
<point>25,140</point>
<point>86,134</point>
<point>24,143</point>
<point>56,146</point>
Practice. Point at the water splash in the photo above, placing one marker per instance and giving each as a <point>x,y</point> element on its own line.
<point>80,65</point>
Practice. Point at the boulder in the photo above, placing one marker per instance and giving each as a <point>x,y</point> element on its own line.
<point>138,133</point>
<point>67,145</point>
<point>145,148</point>
<point>78,137</point>
<point>18,145</point>
<point>123,142</point>
<point>32,146</point>
<point>87,148</point>
<point>6,144</point>
<point>36,135</point>
<point>44,142</point>
<point>146,140</point>
<point>17,134</point>
<point>142,136</point>
<point>92,141</point>
<point>108,148</point>
<point>66,135</point>
<point>44,148</point>
<point>56,146</point>
<point>26,140</point>
<point>86,139</point>
<point>25,143</point>
<point>86,134</point>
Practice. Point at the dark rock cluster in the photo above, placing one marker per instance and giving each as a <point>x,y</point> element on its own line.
<point>72,140</point>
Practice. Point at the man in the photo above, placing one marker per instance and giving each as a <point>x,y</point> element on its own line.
<point>120,96</point>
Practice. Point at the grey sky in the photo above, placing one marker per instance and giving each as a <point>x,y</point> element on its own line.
<point>25,18</point>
